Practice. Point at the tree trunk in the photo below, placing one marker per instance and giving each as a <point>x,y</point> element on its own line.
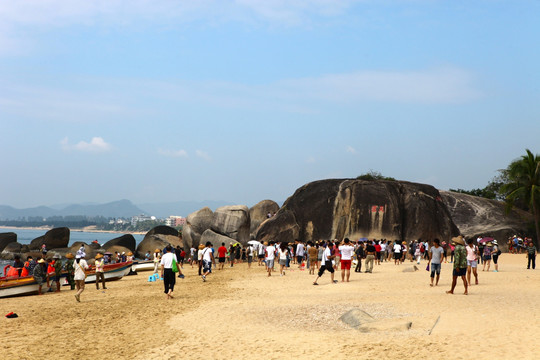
<point>536,217</point>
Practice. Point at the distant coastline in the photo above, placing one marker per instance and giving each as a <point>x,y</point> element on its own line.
<point>88,229</point>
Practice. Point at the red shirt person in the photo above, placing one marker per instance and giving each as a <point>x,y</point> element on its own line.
<point>222,253</point>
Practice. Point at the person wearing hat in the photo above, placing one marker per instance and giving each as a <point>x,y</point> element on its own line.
<point>39,274</point>
<point>70,268</point>
<point>495,252</point>
<point>100,275</point>
<point>157,260</point>
<point>199,257</point>
<point>460,264</point>
<point>80,275</point>
<point>57,271</point>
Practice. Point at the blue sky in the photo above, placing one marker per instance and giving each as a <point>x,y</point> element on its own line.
<point>159,101</point>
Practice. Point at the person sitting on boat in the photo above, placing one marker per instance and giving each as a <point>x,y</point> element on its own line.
<point>18,264</point>
<point>39,274</point>
<point>29,266</point>
<point>147,255</point>
<point>100,276</point>
<point>123,258</point>
<point>57,271</point>
<point>70,268</point>
<point>129,256</point>
<point>81,252</point>
<point>107,259</point>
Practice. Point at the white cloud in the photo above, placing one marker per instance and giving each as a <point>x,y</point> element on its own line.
<point>203,155</point>
<point>351,150</point>
<point>173,153</point>
<point>97,144</point>
<point>311,160</point>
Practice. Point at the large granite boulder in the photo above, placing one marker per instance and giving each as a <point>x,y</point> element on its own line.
<point>196,224</point>
<point>259,213</point>
<point>339,208</point>
<point>90,250</point>
<point>6,238</point>
<point>476,216</point>
<point>158,238</point>
<point>54,238</point>
<point>232,221</point>
<point>126,241</point>
<point>216,239</point>
<point>10,250</point>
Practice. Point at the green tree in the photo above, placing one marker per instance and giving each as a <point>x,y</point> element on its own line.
<point>523,186</point>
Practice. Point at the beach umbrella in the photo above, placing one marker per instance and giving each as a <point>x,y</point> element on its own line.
<point>364,239</point>
<point>486,240</point>
<point>254,242</point>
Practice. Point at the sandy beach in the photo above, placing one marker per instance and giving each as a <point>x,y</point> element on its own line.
<point>240,313</point>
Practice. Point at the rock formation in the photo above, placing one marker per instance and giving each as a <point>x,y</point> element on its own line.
<point>476,216</point>
<point>126,241</point>
<point>339,208</point>
<point>158,238</point>
<point>216,239</point>
<point>54,238</point>
<point>6,238</point>
<point>10,250</point>
<point>259,213</point>
<point>196,224</point>
<point>232,221</point>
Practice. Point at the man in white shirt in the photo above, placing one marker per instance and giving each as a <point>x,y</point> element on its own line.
<point>166,271</point>
<point>299,253</point>
<point>346,259</point>
<point>207,259</point>
<point>326,263</point>
<point>270,254</point>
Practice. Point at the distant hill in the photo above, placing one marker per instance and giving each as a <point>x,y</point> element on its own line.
<point>121,208</point>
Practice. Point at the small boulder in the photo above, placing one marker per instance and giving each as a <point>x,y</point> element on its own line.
<point>158,238</point>
<point>126,241</point>
<point>356,318</point>
<point>6,238</point>
<point>10,250</point>
<point>216,239</point>
<point>54,238</point>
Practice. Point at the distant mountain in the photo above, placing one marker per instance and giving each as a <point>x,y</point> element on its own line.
<point>180,208</point>
<point>121,208</point>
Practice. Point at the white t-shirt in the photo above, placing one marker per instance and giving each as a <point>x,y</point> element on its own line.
<point>326,254</point>
<point>261,249</point>
<point>207,254</point>
<point>250,251</point>
<point>270,250</point>
<point>383,247</point>
<point>79,269</point>
<point>283,254</point>
<point>397,248</point>
<point>300,250</point>
<point>346,252</point>
<point>166,260</point>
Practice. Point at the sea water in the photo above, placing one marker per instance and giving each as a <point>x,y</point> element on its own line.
<point>25,236</point>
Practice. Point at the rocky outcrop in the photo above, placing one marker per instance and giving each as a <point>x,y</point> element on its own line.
<point>476,216</point>
<point>158,238</point>
<point>10,250</point>
<point>232,221</point>
<point>54,238</point>
<point>259,213</point>
<point>6,238</point>
<point>196,224</point>
<point>216,239</point>
<point>125,241</point>
<point>339,208</point>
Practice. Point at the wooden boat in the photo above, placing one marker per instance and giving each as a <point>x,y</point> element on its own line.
<point>15,286</point>
<point>111,272</point>
<point>143,265</point>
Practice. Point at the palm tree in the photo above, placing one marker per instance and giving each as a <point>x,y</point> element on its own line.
<point>523,186</point>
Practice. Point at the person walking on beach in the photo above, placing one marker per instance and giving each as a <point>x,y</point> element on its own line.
<point>157,260</point>
<point>531,255</point>
<point>57,271</point>
<point>70,268</point>
<point>100,275</point>
<point>207,260</point>
<point>347,252</point>
<point>300,250</point>
<point>472,261</point>
<point>312,255</point>
<point>167,273</point>
<point>326,263</point>
<point>487,256</point>
<point>80,275</point>
<point>370,256</point>
<point>283,255</point>
<point>249,253</point>
<point>436,254</point>
<point>39,275</point>
<point>359,256</point>
<point>269,257</point>
<point>460,264</point>
<point>222,254</point>
<point>496,252</point>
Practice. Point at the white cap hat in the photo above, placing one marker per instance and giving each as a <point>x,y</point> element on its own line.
<point>77,256</point>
